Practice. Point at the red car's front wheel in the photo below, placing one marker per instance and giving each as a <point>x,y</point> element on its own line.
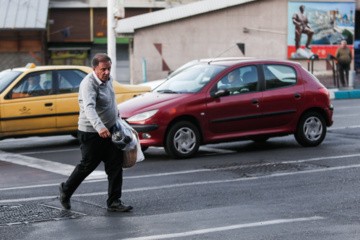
<point>182,140</point>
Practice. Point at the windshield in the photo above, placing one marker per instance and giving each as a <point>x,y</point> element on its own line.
<point>182,68</point>
<point>6,78</point>
<point>191,80</point>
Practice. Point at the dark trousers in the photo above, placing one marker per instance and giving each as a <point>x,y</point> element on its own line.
<point>95,149</point>
<point>344,68</point>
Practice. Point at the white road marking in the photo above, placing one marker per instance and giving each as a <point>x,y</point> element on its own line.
<point>348,127</point>
<point>76,149</point>
<point>102,176</point>
<point>225,228</point>
<point>54,167</point>
<point>52,151</point>
<point>347,115</point>
<point>186,184</point>
<point>217,150</point>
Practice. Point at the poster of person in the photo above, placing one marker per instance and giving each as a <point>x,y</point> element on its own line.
<point>319,27</point>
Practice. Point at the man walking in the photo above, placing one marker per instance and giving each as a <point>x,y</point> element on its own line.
<point>98,114</point>
<point>343,55</point>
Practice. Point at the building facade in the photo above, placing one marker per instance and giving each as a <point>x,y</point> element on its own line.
<point>65,32</point>
<point>209,29</point>
<point>158,36</point>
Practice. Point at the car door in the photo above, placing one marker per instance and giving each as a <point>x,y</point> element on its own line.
<point>68,82</point>
<point>25,110</point>
<point>238,113</point>
<point>283,96</point>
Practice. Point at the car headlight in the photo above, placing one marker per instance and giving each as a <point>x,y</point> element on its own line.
<point>142,116</point>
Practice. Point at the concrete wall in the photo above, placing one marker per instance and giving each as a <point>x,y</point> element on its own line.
<point>215,34</point>
<point>17,59</point>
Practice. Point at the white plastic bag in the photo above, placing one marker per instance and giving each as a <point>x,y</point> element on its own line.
<point>123,136</point>
<point>140,155</point>
<point>135,155</point>
<point>132,144</point>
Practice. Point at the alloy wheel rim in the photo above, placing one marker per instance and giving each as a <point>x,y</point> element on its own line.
<point>313,129</point>
<point>184,140</point>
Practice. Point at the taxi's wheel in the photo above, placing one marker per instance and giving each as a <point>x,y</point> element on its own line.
<point>311,129</point>
<point>182,140</point>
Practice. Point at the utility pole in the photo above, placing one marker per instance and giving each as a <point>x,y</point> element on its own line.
<point>111,37</point>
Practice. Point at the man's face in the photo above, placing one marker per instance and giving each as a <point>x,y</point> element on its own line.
<point>302,8</point>
<point>33,81</point>
<point>231,77</point>
<point>102,70</point>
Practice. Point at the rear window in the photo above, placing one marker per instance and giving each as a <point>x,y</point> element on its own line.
<point>279,76</point>
<point>6,78</point>
<point>69,80</point>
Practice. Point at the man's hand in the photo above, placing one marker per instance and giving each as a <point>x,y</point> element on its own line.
<point>104,133</point>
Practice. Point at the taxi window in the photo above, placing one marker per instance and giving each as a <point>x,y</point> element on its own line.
<point>69,80</point>
<point>6,78</point>
<point>33,85</point>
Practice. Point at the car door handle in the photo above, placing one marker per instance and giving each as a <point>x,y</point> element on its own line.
<point>255,101</point>
<point>48,104</point>
<point>297,95</point>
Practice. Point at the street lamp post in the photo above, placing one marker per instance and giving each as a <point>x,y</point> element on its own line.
<point>111,37</point>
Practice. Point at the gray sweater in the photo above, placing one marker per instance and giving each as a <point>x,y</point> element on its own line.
<point>97,103</point>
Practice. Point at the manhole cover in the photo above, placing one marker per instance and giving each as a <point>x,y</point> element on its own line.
<point>23,214</point>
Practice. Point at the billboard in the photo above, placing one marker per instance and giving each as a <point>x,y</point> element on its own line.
<point>319,27</point>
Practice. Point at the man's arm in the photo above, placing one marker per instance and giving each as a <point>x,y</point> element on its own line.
<point>295,20</point>
<point>89,94</point>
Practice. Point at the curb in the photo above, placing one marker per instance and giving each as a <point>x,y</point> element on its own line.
<point>344,94</point>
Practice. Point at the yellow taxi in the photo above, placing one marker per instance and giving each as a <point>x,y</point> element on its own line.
<point>43,100</point>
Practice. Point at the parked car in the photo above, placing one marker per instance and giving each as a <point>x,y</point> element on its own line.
<point>155,83</point>
<point>231,100</point>
<point>43,100</point>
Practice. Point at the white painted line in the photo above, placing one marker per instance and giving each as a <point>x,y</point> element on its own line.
<point>54,167</point>
<point>225,228</point>
<point>338,128</point>
<point>52,151</point>
<point>183,172</point>
<point>187,184</point>
<point>323,158</point>
<point>347,115</point>
<point>216,150</point>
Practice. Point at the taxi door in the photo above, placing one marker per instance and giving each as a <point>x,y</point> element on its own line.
<point>27,108</point>
<point>68,83</point>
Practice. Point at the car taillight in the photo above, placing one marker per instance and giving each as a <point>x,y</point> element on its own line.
<point>324,91</point>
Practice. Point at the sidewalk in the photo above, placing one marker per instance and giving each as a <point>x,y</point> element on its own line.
<point>342,92</point>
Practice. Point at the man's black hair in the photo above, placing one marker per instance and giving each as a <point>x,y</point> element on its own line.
<point>100,57</point>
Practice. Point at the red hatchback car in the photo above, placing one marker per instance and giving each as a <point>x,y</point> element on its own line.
<point>231,100</point>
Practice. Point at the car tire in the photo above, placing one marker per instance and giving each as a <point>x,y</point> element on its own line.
<point>182,140</point>
<point>311,129</point>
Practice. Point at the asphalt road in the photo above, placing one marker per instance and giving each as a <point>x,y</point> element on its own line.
<point>241,190</point>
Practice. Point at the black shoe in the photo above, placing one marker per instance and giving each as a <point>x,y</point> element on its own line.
<point>64,200</point>
<point>118,206</point>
